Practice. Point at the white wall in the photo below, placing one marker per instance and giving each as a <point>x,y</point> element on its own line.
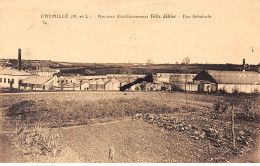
<point>247,88</point>
<point>10,77</point>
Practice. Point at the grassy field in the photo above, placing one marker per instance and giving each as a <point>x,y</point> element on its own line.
<point>150,126</point>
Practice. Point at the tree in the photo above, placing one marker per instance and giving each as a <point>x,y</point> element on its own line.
<point>149,64</point>
<point>149,61</point>
<point>186,61</point>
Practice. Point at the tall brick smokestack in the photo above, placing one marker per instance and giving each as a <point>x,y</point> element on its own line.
<point>19,59</point>
<point>244,64</point>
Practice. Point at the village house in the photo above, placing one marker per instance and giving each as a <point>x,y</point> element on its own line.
<point>228,81</point>
<point>46,71</point>
<point>92,85</point>
<point>85,85</point>
<point>113,85</point>
<point>100,84</point>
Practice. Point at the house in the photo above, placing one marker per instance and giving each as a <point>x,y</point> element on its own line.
<point>92,85</point>
<point>84,85</point>
<point>46,71</point>
<point>100,84</point>
<point>229,81</point>
<point>12,78</point>
<point>113,84</point>
<point>35,82</point>
<point>72,86</point>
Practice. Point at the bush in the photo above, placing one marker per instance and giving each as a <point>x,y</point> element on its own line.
<point>67,113</point>
<point>38,142</point>
<point>220,106</point>
<point>249,111</point>
<point>222,91</point>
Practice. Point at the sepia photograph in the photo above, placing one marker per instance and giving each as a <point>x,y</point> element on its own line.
<point>129,81</point>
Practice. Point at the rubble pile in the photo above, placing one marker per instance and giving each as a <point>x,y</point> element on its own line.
<point>217,137</point>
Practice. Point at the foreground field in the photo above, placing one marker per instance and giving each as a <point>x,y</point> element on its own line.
<point>141,127</point>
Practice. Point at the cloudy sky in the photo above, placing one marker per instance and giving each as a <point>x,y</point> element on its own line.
<point>227,37</point>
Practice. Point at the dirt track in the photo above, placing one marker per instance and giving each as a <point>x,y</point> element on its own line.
<point>134,141</point>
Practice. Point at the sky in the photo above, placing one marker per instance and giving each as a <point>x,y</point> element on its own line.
<point>231,34</point>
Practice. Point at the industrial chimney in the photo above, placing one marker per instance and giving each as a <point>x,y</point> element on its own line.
<point>19,59</point>
<point>244,64</point>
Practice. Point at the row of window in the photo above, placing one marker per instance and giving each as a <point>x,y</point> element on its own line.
<point>4,80</point>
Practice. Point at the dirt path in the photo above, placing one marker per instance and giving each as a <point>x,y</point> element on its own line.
<point>133,141</point>
<point>8,153</point>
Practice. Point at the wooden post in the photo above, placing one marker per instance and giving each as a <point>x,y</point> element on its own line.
<point>233,126</point>
<point>111,154</point>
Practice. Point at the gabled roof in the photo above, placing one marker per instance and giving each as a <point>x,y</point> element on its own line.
<point>85,82</point>
<point>100,81</point>
<point>113,80</point>
<point>92,82</point>
<point>69,84</point>
<point>13,72</point>
<point>106,80</point>
<point>229,77</point>
<point>36,80</point>
<point>126,79</point>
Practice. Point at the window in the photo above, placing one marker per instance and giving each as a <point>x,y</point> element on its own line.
<point>0,79</point>
<point>4,80</point>
<point>8,80</point>
<point>13,81</point>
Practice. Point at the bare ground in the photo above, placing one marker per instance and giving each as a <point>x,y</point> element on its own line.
<point>8,153</point>
<point>133,141</point>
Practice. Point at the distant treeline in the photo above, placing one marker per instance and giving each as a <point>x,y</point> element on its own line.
<point>122,68</point>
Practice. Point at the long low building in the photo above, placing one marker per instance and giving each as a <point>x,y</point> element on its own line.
<point>228,81</point>
<point>12,78</point>
<point>35,82</point>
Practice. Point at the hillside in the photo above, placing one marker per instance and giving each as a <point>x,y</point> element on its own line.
<point>120,68</point>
